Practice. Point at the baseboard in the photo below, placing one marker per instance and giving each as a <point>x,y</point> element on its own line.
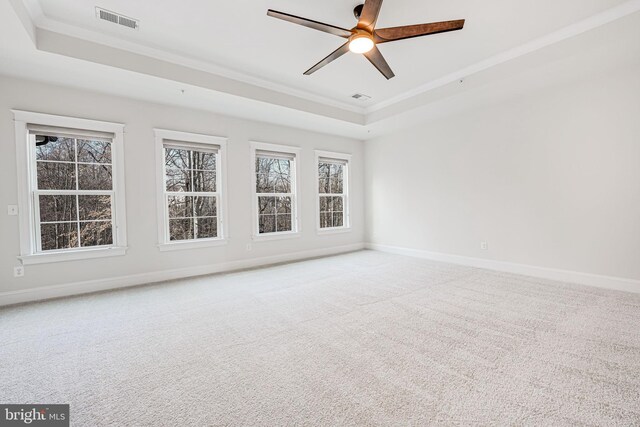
<point>608,282</point>
<point>57,291</point>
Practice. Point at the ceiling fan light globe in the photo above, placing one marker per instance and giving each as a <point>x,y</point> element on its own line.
<point>361,44</point>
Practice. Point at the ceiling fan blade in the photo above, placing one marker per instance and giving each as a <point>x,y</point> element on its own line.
<point>369,14</point>
<point>384,35</point>
<point>331,29</point>
<point>331,57</point>
<point>375,57</point>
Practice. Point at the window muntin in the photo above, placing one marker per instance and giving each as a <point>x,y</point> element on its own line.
<point>191,192</point>
<point>332,193</point>
<point>73,192</point>
<point>275,192</point>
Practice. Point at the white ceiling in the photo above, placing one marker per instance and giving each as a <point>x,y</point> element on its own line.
<point>238,35</point>
<point>253,64</point>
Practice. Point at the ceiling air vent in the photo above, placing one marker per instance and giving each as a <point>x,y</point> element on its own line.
<point>116,18</point>
<point>361,97</point>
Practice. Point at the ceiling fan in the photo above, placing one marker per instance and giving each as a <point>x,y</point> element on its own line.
<point>364,37</point>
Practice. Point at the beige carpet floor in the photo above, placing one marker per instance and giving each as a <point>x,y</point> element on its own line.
<point>359,339</point>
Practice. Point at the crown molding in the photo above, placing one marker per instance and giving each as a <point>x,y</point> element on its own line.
<point>34,8</point>
<point>27,14</point>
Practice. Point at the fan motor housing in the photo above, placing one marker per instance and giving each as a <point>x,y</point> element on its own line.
<point>357,11</point>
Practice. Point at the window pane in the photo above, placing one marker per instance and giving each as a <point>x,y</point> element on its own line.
<point>178,180</point>
<point>336,185</point>
<point>282,171</point>
<point>94,208</point>
<point>325,204</point>
<point>283,205</point>
<point>180,206</point>
<point>282,183</point>
<point>324,170</point>
<point>90,151</point>
<point>283,223</point>
<point>326,220</point>
<point>56,176</point>
<point>97,233</point>
<point>264,164</point>
<point>207,228</point>
<point>266,205</point>
<point>265,183</point>
<point>181,229</point>
<point>59,236</point>
<point>177,158</point>
<point>336,171</point>
<point>94,177</point>
<point>204,161</point>
<point>57,208</point>
<point>62,149</point>
<point>283,166</point>
<point>205,206</point>
<point>323,185</point>
<point>338,204</point>
<point>273,175</point>
<point>204,181</point>
<point>336,181</point>
<point>338,218</point>
<point>267,223</point>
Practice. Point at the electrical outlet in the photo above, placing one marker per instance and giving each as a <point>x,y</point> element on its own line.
<point>18,271</point>
<point>249,248</point>
<point>12,210</point>
<point>484,246</point>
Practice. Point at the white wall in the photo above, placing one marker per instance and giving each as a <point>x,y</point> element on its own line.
<point>549,179</point>
<point>140,118</point>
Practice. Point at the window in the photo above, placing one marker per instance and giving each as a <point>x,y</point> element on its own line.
<point>191,192</point>
<point>74,190</point>
<point>275,186</point>
<point>71,176</point>
<point>333,191</point>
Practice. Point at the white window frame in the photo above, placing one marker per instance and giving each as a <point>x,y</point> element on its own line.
<point>27,188</point>
<point>296,226</point>
<point>190,141</point>
<point>346,227</point>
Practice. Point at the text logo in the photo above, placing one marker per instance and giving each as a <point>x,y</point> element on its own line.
<point>34,415</point>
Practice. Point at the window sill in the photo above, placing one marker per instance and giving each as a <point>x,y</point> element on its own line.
<point>339,230</point>
<point>276,236</point>
<point>184,245</point>
<point>52,257</point>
